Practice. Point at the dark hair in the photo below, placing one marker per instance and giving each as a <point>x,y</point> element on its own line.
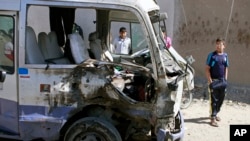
<point>122,29</point>
<point>220,40</point>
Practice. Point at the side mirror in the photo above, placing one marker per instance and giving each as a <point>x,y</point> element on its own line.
<point>2,76</point>
<point>158,18</point>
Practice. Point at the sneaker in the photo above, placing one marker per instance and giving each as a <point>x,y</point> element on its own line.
<point>213,122</point>
<point>217,118</point>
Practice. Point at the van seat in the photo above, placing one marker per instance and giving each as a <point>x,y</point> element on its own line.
<point>50,48</point>
<point>78,49</point>
<point>33,55</point>
<point>98,48</point>
<point>95,45</point>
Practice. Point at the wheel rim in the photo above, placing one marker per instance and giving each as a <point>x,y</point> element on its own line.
<point>90,136</point>
<point>92,129</point>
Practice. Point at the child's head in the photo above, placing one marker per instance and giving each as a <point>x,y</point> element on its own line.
<point>220,45</point>
<point>123,32</point>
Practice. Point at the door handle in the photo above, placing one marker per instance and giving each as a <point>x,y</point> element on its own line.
<point>2,76</point>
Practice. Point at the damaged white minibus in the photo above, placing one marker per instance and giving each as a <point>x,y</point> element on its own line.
<point>60,79</point>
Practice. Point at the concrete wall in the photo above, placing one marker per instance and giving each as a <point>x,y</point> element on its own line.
<point>197,23</point>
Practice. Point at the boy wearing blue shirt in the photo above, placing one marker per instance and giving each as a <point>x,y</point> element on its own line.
<point>217,69</point>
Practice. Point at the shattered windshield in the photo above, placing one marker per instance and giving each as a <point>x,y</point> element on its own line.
<point>159,26</point>
<point>160,30</point>
<point>168,54</point>
<point>158,33</point>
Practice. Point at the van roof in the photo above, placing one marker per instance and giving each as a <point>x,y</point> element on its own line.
<point>145,5</point>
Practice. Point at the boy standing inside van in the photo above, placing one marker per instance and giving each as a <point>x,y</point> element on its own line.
<point>217,69</point>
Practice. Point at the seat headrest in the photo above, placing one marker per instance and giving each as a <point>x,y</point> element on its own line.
<point>93,36</point>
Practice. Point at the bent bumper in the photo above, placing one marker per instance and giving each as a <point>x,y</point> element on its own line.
<point>164,134</point>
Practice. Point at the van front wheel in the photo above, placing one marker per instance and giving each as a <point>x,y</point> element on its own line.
<point>92,129</point>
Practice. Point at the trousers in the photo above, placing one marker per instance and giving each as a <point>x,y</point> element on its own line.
<point>216,100</point>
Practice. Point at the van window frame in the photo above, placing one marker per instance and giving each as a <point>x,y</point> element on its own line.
<point>24,12</point>
<point>8,54</point>
<point>132,32</point>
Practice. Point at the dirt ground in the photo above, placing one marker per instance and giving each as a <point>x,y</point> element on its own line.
<point>233,111</point>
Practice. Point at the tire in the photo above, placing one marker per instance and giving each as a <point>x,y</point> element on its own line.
<point>186,100</point>
<point>92,129</point>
